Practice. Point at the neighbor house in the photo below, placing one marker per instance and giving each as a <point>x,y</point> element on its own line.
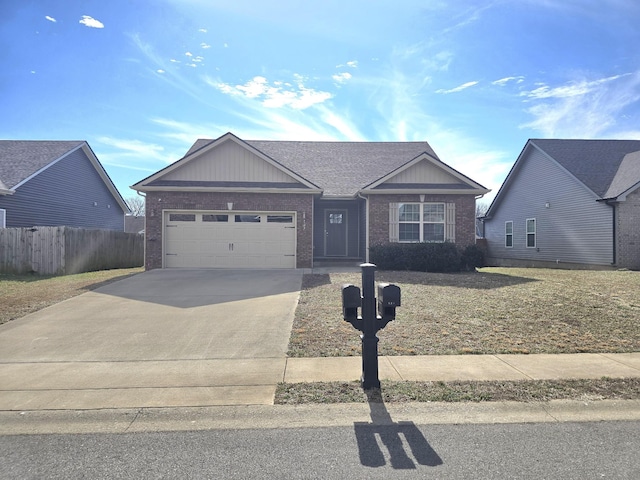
<point>285,204</point>
<point>56,183</point>
<point>568,203</point>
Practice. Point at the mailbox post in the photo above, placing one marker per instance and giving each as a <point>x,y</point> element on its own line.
<point>370,322</point>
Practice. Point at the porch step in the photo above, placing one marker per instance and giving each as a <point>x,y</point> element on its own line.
<point>349,262</point>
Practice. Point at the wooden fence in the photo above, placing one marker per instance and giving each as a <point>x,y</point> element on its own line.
<point>66,250</point>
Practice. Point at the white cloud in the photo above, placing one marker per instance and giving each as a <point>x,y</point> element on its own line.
<point>573,89</point>
<point>503,81</point>
<point>276,95</point>
<point>188,54</point>
<point>464,86</point>
<point>91,22</point>
<point>341,78</point>
<point>352,64</point>
<point>51,19</point>
<point>205,45</point>
<point>133,149</point>
<point>225,45</point>
<point>173,60</point>
<point>584,108</point>
<point>202,30</point>
<point>160,70</point>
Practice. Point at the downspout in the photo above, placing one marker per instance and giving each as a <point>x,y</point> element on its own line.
<point>366,227</point>
<point>144,240</point>
<point>612,204</point>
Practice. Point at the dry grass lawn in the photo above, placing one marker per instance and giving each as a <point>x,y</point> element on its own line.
<point>494,310</point>
<point>24,294</point>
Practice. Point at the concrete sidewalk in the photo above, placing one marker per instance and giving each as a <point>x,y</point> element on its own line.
<point>468,367</point>
<point>224,382</point>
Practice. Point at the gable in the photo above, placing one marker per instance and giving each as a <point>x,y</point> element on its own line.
<point>229,162</point>
<point>426,174</point>
<point>601,167</point>
<point>21,159</point>
<point>226,164</point>
<point>70,191</point>
<point>627,178</point>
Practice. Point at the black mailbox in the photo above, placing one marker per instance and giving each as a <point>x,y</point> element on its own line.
<point>351,301</point>
<point>388,300</point>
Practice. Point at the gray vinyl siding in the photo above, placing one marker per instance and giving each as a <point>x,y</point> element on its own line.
<point>353,226</point>
<point>64,194</point>
<point>575,228</point>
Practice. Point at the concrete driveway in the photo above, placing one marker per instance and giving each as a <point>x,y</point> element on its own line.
<point>161,338</point>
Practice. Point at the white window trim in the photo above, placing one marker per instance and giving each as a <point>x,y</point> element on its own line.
<point>508,234</point>
<point>534,233</point>
<point>421,221</point>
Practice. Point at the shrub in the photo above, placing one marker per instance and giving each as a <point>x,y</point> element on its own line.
<point>421,257</point>
<point>472,257</point>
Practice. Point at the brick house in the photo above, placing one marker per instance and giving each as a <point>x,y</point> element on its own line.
<point>231,203</point>
<point>568,203</point>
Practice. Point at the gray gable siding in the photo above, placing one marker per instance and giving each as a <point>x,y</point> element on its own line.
<point>574,229</point>
<point>64,194</point>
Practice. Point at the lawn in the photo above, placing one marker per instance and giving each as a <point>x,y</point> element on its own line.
<point>494,310</point>
<point>24,294</point>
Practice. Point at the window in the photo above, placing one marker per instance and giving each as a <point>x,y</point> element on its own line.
<point>182,217</point>
<point>421,222</point>
<point>335,218</point>
<point>247,218</point>
<point>508,234</point>
<point>531,233</point>
<point>279,218</point>
<point>215,218</point>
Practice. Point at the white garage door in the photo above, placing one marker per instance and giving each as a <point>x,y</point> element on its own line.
<point>229,240</point>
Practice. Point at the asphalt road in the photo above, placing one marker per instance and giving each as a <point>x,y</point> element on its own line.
<point>401,450</point>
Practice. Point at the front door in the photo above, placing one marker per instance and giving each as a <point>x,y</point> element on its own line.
<point>335,233</point>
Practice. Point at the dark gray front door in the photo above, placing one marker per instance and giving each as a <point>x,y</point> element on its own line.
<point>335,233</point>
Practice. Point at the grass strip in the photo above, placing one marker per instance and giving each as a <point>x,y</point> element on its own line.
<point>24,294</point>
<point>489,391</point>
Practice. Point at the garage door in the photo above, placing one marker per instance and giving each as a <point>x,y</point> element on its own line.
<point>229,240</point>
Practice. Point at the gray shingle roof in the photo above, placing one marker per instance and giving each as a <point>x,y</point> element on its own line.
<point>340,168</point>
<point>20,159</point>
<point>594,162</point>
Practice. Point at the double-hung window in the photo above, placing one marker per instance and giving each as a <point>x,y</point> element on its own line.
<point>421,222</point>
<point>531,233</point>
<point>508,234</point>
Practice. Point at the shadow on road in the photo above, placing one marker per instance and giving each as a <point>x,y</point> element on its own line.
<point>390,434</point>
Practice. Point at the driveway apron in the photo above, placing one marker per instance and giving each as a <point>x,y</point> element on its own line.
<point>178,337</point>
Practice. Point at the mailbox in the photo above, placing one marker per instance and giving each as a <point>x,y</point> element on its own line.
<point>388,300</point>
<point>351,301</point>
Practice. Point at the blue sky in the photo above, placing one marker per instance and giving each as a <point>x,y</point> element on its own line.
<point>141,80</point>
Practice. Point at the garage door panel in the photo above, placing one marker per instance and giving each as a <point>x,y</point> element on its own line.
<point>229,240</point>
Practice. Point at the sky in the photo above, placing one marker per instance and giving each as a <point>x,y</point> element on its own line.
<point>141,80</point>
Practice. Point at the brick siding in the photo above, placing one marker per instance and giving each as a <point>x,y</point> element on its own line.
<point>465,215</point>
<point>156,202</point>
